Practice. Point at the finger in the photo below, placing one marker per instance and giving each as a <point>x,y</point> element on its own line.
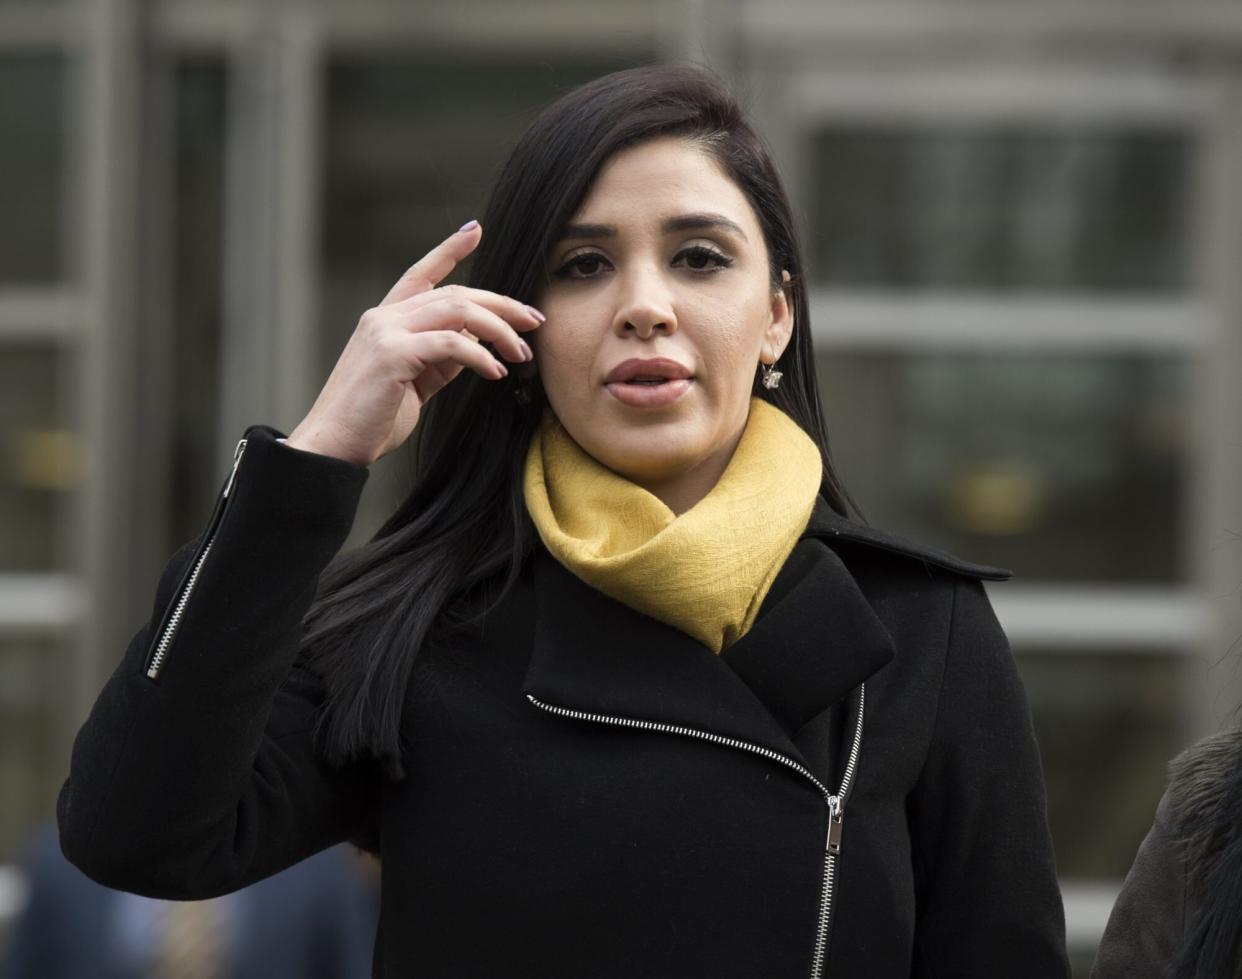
<point>460,315</point>
<point>435,377</point>
<point>518,314</point>
<point>436,264</point>
<point>442,348</point>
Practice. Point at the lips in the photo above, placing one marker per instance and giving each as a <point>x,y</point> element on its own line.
<point>651,371</point>
<point>650,383</point>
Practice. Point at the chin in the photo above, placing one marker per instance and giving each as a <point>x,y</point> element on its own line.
<point>645,456</point>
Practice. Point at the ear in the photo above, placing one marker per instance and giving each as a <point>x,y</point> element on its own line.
<point>776,336</point>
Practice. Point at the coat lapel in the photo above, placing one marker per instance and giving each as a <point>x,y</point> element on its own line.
<point>815,639</point>
<point>595,655</point>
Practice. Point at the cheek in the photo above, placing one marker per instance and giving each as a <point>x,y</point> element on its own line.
<point>565,354</point>
<point>729,344</point>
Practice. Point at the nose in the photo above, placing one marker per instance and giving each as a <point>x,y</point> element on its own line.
<point>645,303</point>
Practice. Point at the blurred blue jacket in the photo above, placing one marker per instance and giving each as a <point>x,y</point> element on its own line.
<point>315,920</point>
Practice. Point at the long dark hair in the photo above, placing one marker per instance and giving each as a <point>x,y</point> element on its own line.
<point>464,530</point>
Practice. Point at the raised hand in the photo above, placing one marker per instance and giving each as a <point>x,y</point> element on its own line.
<point>406,349</point>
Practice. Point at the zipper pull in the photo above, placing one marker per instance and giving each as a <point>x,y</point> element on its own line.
<point>835,817</point>
<point>237,454</point>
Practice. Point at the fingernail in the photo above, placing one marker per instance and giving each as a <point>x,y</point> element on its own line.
<point>538,315</point>
<point>504,371</point>
<point>468,226</point>
<point>530,354</point>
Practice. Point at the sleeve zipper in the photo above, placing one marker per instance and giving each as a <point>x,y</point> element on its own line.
<point>158,653</point>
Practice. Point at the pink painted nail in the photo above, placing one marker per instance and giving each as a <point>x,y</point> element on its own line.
<point>538,315</point>
<point>468,226</point>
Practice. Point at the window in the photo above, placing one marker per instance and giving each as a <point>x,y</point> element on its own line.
<point>1058,467</point>
<point>1003,208</point>
<point>33,158</point>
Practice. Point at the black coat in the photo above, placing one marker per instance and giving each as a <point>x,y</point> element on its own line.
<point>592,793</point>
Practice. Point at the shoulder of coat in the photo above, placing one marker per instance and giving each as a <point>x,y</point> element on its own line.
<point>1204,797</point>
<point>833,528</point>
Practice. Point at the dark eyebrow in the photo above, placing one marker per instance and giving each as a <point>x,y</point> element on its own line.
<point>574,231</point>
<point>683,222</point>
<point>704,219</point>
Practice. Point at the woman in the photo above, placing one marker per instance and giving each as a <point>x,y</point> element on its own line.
<point>596,692</point>
<point>1179,913</point>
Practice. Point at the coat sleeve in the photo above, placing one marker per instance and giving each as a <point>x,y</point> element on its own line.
<point>205,777</point>
<point>1145,929</point>
<point>987,898</point>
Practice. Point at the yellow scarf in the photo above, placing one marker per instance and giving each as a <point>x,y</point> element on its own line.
<point>706,572</point>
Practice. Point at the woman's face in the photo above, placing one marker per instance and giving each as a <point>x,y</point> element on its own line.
<point>660,309</point>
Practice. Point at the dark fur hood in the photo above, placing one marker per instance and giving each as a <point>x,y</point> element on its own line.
<point>1205,801</point>
<point>1179,912</point>
<point>1205,814</point>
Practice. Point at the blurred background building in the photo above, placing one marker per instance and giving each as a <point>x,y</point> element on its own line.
<point>1023,224</point>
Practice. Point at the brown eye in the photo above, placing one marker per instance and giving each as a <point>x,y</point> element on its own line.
<point>584,266</point>
<point>701,259</point>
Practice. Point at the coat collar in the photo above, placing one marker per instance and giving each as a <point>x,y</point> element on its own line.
<point>832,528</point>
<point>815,639</point>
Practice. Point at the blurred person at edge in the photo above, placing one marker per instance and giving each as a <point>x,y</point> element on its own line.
<point>315,920</point>
<point>596,691</point>
<point>1179,913</point>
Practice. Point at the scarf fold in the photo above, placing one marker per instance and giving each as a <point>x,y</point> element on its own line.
<point>706,571</point>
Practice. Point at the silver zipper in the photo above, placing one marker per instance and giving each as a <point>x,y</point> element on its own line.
<point>836,820</point>
<point>174,620</point>
<point>836,803</point>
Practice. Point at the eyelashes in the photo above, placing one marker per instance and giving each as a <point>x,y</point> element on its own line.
<point>696,253</point>
<point>586,264</point>
<point>697,258</point>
